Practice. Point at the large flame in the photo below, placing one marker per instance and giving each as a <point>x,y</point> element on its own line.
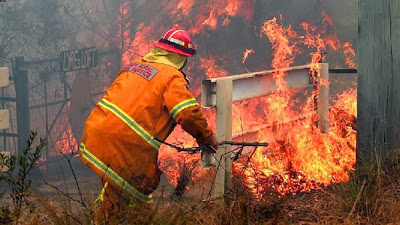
<point>300,156</point>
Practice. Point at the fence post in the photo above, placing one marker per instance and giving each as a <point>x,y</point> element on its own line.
<point>323,97</point>
<point>222,182</point>
<point>22,103</point>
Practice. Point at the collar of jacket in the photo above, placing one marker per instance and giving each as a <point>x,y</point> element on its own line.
<point>158,55</point>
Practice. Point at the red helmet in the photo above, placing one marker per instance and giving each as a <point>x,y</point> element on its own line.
<point>178,41</point>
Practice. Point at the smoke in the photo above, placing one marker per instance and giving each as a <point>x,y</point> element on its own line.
<point>225,34</point>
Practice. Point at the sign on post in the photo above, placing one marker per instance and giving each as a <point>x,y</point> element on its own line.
<point>78,59</point>
<point>4,113</point>
<point>4,79</point>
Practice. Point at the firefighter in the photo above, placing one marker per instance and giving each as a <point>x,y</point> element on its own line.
<point>140,109</point>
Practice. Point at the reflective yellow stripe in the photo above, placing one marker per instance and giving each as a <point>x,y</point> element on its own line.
<point>114,176</point>
<point>176,41</point>
<point>182,106</point>
<point>130,122</point>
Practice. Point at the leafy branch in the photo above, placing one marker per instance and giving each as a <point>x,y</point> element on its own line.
<point>16,174</point>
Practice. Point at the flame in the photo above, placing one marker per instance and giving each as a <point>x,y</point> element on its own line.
<point>62,138</point>
<point>67,143</point>
<point>300,157</point>
<point>246,54</point>
<point>327,20</point>
<point>211,21</point>
<point>138,46</point>
<point>183,8</point>
<point>209,65</point>
<point>350,54</point>
<point>284,53</point>
<point>219,12</point>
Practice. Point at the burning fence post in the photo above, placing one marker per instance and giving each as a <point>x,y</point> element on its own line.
<point>323,97</point>
<point>221,92</point>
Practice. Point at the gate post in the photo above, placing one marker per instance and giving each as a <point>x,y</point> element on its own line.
<point>22,102</point>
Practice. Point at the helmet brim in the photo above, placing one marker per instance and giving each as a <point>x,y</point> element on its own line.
<point>172,49</point>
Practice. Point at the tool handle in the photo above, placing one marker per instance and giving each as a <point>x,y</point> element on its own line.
<point>245,144</point>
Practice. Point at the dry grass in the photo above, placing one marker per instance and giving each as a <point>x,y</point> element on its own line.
<point>373,197</point>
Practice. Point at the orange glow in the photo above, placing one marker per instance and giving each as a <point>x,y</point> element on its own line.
<point>211,21</point>
<point>327,20</point>
<point>62,138</point>
<point>211,68</point>
<point>139,46</point>
<point>213,13</point>
<point>246,54</point>
<point>183,8</point>
<point>350,54</point>
<point>67,143</point>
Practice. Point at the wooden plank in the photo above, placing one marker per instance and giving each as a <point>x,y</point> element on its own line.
<point>222,181</point>
<point>323,97</point>
<point>378,81</point>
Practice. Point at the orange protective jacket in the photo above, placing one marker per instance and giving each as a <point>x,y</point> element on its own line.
<point>143,104</point>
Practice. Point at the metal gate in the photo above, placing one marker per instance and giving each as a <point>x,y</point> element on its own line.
<point>40,100</point>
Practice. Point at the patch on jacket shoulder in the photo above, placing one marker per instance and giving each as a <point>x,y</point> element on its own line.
<point>143,70</point>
